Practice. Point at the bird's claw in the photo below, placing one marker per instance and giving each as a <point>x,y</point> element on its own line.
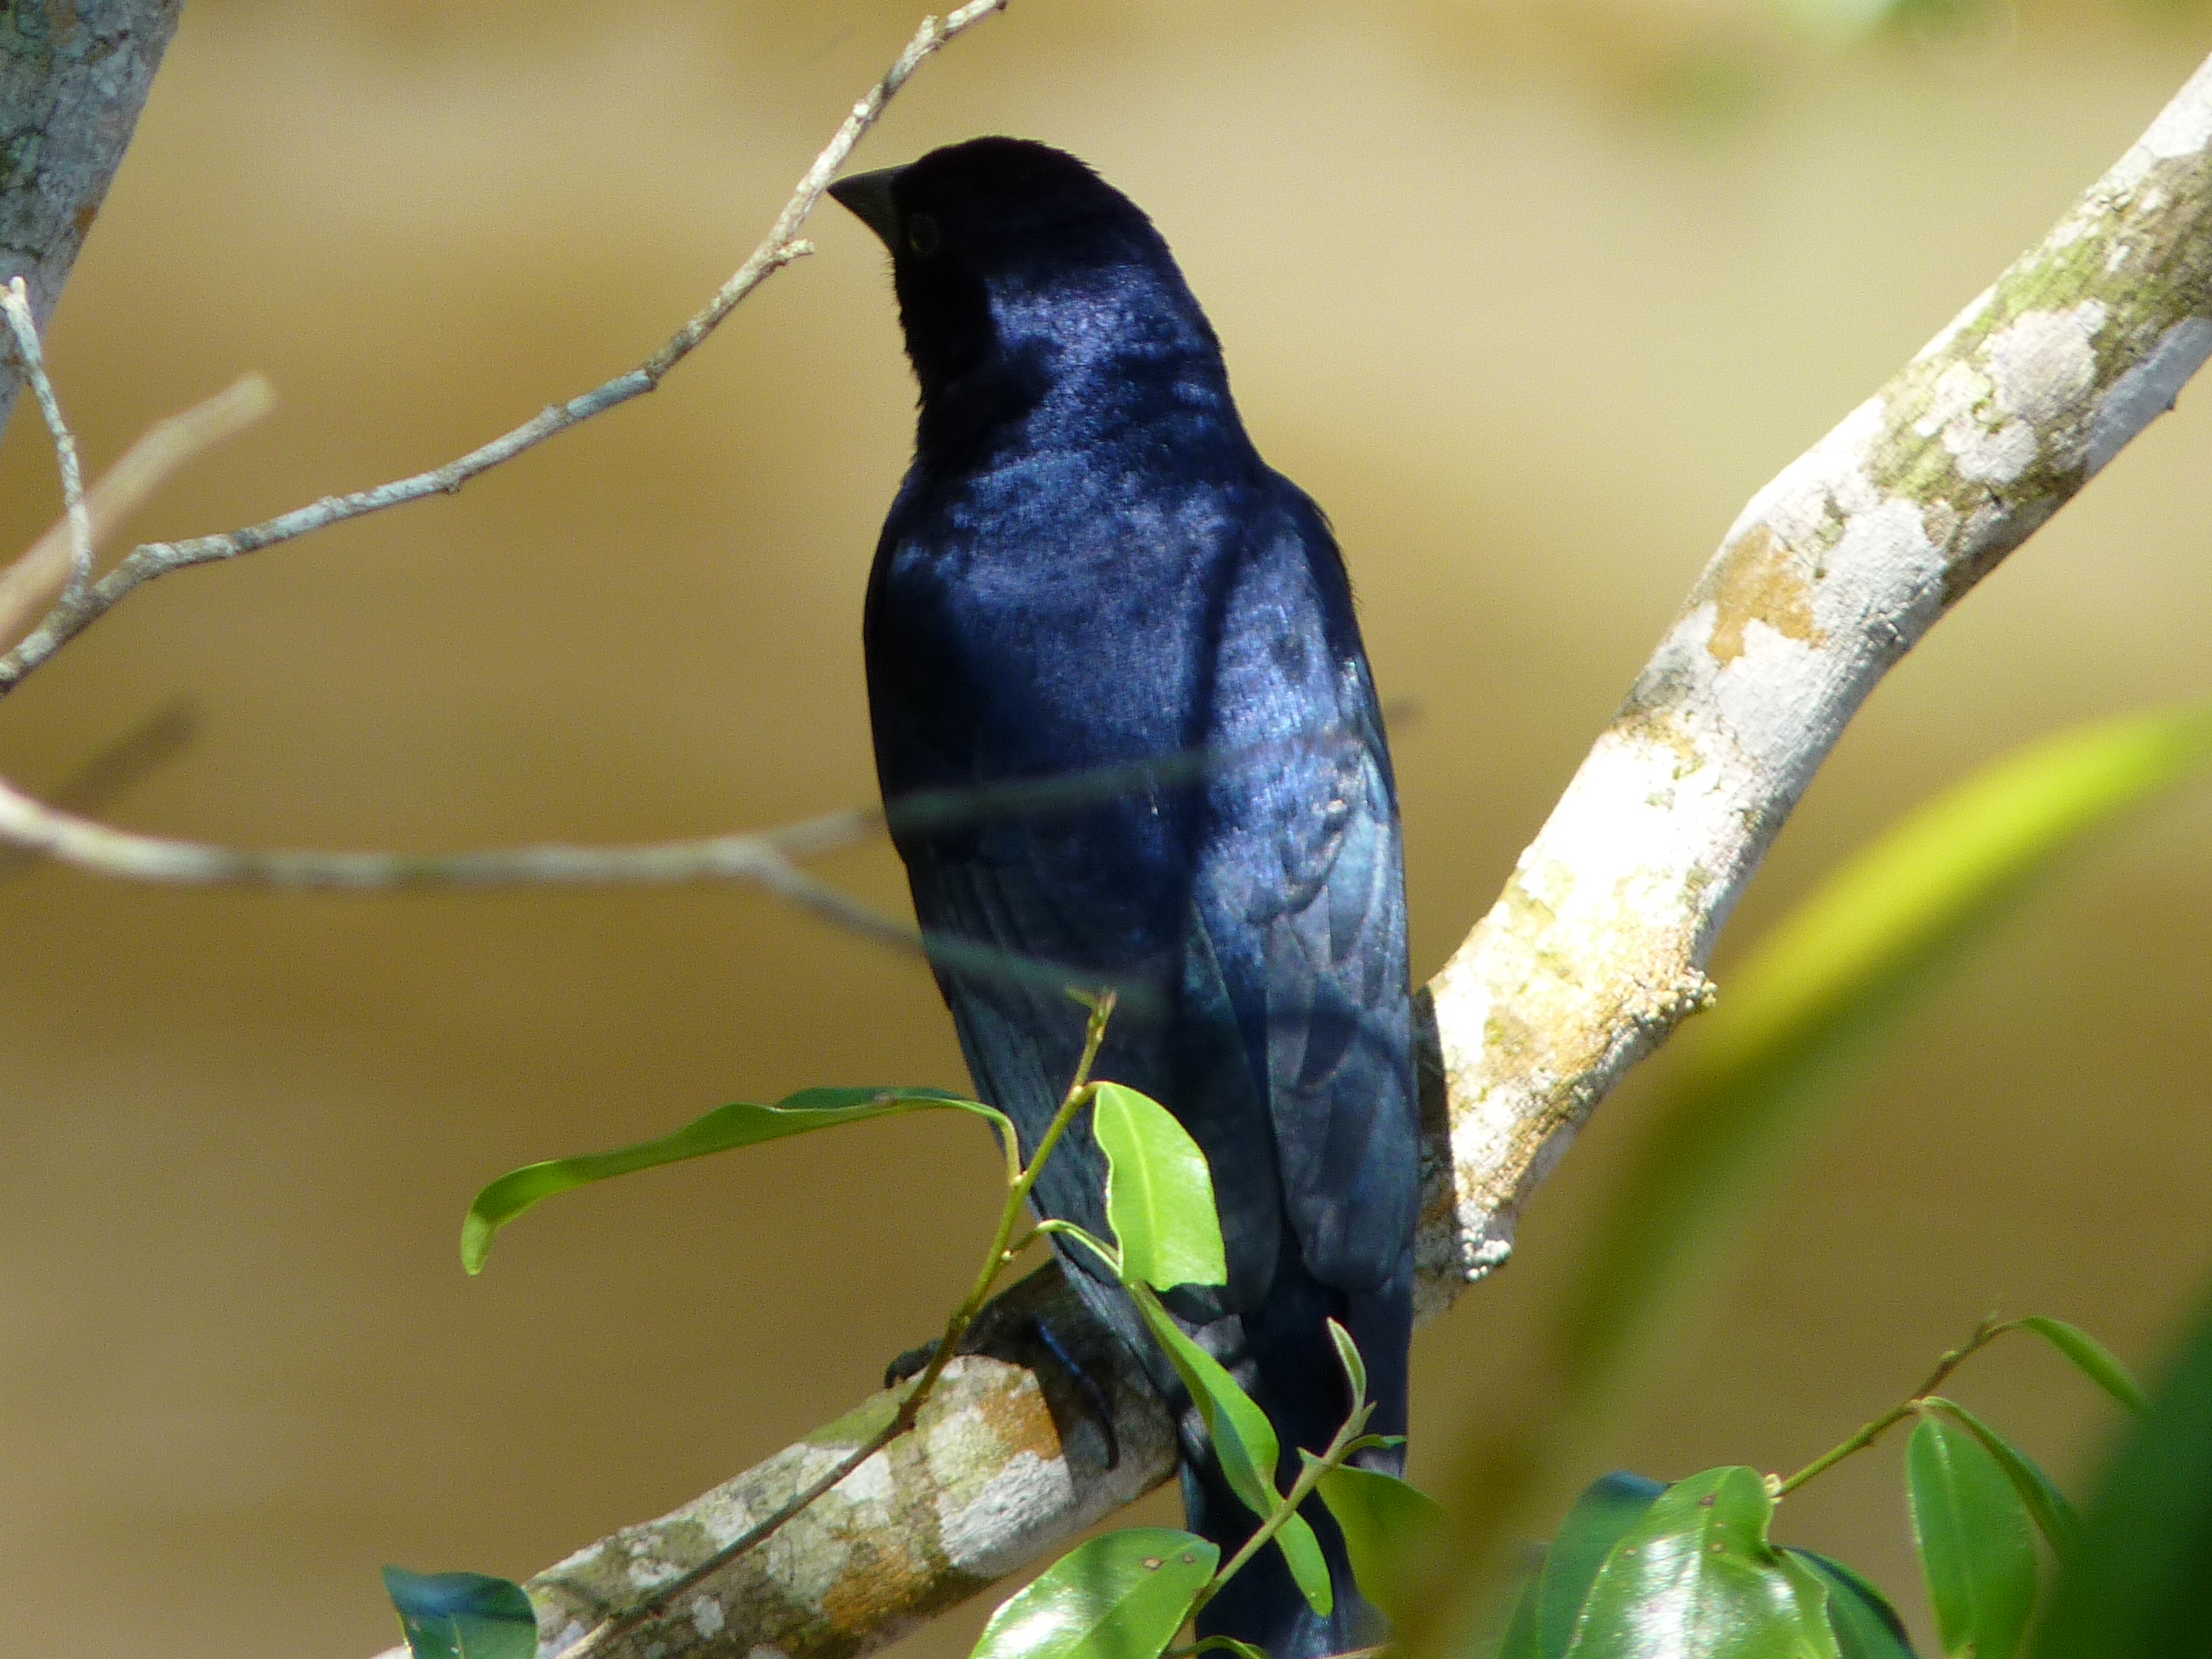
<point>909,1365</point>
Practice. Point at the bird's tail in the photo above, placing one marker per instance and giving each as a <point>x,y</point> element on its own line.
<point>1280,1353</point>
<point>1290,1368</point>
<point>1263,1604</point>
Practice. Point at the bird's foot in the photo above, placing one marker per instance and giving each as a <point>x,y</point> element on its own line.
<point>909,1365</point>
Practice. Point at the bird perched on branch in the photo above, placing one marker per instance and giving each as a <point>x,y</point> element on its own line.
<point>1089,565</point>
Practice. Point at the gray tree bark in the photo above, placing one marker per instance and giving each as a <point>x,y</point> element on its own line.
<point>74,76</point>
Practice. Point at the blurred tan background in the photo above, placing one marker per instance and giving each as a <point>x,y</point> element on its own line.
<point>1529,297</point>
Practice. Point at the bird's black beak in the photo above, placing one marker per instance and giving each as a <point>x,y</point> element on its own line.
<point>867,196</point>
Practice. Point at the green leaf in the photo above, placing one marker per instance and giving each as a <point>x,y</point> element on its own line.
<point>1122,1595</point>
<point>1242,1438</point>
<point>1816,1630</point>
<point>1388,1523</point>
<point>462,1615</point>
<point>2093,1357</point>
<point>1308,1569</point>
<point>2138,1586</point>
<point>1601,1518</point>
<point>724,1129</point>
<point>1159,1193</point>
<point>2052,1510</point>
<point>1518,1640</point>
<point>1696,1572</point>
<point>1355,1367</point>
<point>1866,1626</point>
<point>1797,1011</point>
<point>1976,1549</point>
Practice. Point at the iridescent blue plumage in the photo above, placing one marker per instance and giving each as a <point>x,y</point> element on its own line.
<point>1089,565</point>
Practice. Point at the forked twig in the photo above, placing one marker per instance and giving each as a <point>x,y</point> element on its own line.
<point>778,249</point>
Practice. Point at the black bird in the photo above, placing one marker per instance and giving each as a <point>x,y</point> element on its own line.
<point>1089,566</point>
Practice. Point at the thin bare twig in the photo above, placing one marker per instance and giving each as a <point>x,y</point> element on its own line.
<point>764,856</point>
<point>31,826</point>
<point>779,248</point>
<point>140,749</point>
<point>37,581</point>
<point>17,301</point>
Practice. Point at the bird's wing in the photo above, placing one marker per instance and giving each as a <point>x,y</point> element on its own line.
<point>1176,1038</point>
<point>1339,1035</point>
<point>1304,893</point>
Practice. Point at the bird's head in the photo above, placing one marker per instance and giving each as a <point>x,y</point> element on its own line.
<point>1012,254</point>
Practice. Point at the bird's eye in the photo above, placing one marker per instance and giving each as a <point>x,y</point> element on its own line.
<point>922,235</point>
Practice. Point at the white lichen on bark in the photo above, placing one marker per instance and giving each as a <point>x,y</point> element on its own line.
<point>1834,571</point>
<point>1007,1461</point>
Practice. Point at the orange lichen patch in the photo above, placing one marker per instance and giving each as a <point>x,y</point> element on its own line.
<point>1756,582</point>
<point>889,1579</point>
<point>1020,1419</point>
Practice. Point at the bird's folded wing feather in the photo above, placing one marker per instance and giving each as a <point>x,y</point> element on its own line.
<point>1178,1040</point>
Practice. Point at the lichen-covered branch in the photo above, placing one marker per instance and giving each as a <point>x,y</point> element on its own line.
<point>1011,1459</point>
<point>74,76</point>
<point>1832,573</point>
<point>1593,955</point>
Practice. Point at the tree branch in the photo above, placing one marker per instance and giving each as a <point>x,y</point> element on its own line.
<point>1593,955</point>
<point>73,80</point>
<point>1835,569</point>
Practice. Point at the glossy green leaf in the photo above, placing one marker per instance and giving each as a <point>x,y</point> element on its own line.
<point>724,1129</point>
<point>1601,1518</point>
<point>1122,1595</point>
<point>2138,1584</point>
<point>1977,1550</point>
<point>1242,1438</point>
<point>1697,1568</point>
<point>1866,1626</point>
<point>1348,1356</point>
<point>462,1615</point>
<point>2051,1508</point>
<point>1309,1569</point>
<point>1229,1644</point>
<point>2094,1360</point>
<point>1159,1193</point>
<point>1386,1522</point>
<point>1796,1011</point>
